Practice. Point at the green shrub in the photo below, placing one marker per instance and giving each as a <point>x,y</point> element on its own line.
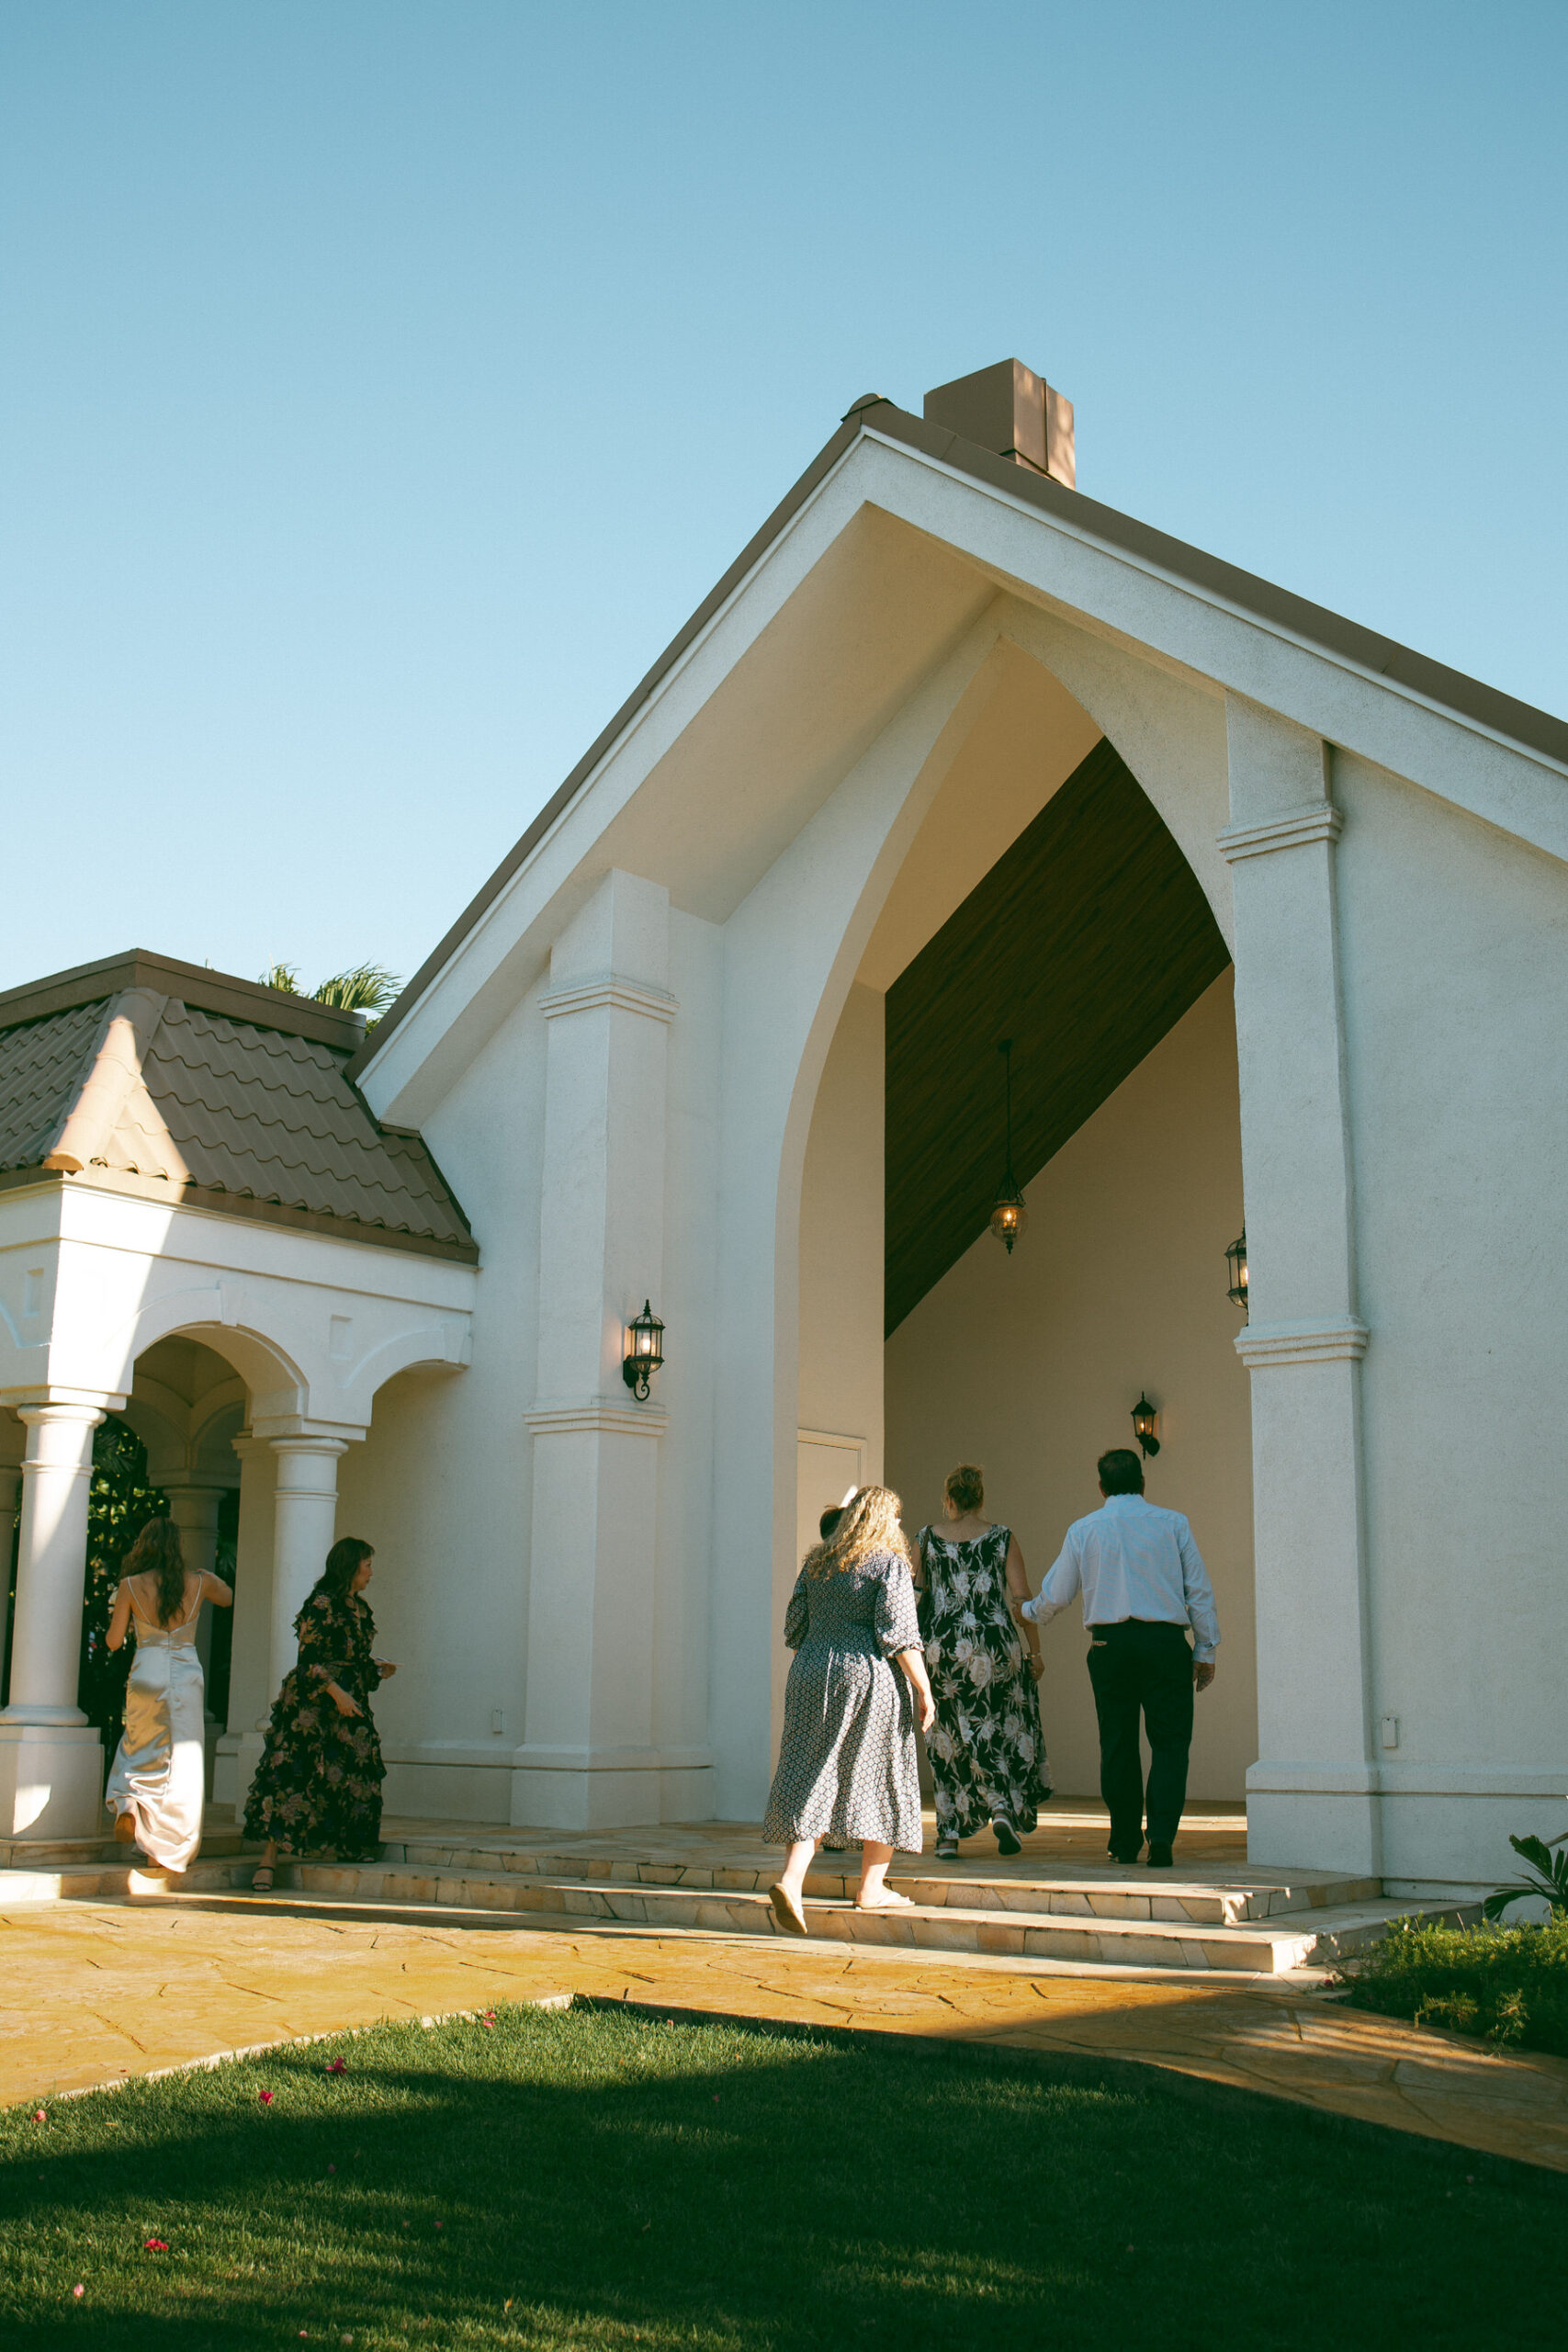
<point>1508,1986</point>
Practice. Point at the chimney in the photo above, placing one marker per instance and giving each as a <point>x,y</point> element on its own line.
<point>1009,409</point>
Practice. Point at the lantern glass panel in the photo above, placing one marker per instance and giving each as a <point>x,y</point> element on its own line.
<point>1235,1259</point>
<point>1008,1219</point>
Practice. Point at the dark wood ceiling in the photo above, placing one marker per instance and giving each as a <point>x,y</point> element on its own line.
<point>1086,942</point>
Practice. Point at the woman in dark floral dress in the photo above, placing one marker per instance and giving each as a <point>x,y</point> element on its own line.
<point>318,1787</point>
<point>987,1751</point>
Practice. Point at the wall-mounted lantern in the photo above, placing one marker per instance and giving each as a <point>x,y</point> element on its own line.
<point>645,1350</point>
<point>1235,1259</point>
<point>1146,1426</point>
<point>1008,1215</point>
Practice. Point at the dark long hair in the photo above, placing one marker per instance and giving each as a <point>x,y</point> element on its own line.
<point>157,1549</point>
<point>342,1563</point>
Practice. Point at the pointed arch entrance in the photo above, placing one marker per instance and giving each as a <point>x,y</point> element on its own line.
<point>1089,940</point>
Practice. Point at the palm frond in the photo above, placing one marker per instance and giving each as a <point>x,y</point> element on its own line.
<point>363,988</point>
<point>281,976</point>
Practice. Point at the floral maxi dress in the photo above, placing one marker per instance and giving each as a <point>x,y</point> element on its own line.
<point>986,1749</point>
<point>318,1787</point>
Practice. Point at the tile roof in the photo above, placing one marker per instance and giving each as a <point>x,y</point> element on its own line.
<point>143,1083</point>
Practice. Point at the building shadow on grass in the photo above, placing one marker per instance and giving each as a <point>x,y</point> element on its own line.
<point>607,2178</point>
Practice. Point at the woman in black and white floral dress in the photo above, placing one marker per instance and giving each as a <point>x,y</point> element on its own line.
<point>318,1786</point>
<point>986,1750</point>
<point>847,1765</point>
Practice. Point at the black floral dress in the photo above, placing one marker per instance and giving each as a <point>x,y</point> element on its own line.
<point>986,1750</point>
<point>318,1787</point>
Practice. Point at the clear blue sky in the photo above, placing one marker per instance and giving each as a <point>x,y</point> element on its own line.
<point>385,381</point>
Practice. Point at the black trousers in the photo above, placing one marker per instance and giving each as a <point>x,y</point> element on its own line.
<point>1138,1668</point>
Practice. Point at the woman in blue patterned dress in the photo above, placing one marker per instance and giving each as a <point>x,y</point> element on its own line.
<point>847,1764</point>
<point>987,1752</point>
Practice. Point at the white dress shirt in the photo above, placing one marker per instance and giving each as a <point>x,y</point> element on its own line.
<point>1130,1558</point>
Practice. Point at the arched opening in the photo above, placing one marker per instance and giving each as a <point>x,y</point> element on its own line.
<point>1044,900</point>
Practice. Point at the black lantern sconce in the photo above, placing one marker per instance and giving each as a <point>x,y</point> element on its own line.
<point>1235,1259</point>
<point>1146,1426</point>
<point>645,1350</point>
<point>1008,1215</point>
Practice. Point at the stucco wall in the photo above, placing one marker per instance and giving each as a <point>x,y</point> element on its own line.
<point>441,1485</point>
<point>1030,1365</point>
<point>1455,968</point>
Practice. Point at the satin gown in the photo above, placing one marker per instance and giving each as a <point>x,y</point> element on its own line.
<point>160,1766</point>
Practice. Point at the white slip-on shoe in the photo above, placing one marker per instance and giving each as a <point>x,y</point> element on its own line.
<point>787,1912</point>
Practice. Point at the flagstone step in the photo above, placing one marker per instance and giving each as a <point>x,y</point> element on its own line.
<point>1171,1938</point>
<point>1139,1936</point>
<point>1082,1893</point>
<point>1225,1897</point>
<point>82,1853</point>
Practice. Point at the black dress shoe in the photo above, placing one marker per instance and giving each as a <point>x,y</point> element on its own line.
<point>1160,1858</point>
<point>1126,1860</point>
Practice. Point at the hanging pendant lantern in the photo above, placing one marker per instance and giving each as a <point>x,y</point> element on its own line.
<point>1009,1214</point>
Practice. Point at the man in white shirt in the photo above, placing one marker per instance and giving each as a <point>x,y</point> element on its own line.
<point>1144,1583</point>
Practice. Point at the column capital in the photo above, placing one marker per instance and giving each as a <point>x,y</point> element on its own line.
<point>291,1444</point>
<point>615,1416</point>
<point>75,1407</point>
<point>609,989</point>
<point>1319,821</point>
<point>298,1429</point>
<point>1334,1338</point>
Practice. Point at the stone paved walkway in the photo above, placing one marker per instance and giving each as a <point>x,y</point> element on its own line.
<point>94,1992</point>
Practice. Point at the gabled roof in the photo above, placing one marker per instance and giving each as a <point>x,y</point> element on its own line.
<point>1314,625</point>
<point>142,1073</point>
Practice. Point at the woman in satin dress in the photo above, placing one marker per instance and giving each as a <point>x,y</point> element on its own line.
<point>158,1784</point>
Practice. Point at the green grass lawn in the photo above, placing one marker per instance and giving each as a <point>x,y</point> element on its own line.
<point>599,2178</point>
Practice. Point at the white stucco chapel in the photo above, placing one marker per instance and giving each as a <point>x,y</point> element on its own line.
<point>1272,915</point>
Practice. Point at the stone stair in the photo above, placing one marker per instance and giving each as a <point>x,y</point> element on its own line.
<point>1213,1918</point>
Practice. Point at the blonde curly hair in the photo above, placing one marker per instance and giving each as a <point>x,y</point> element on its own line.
<point>868,1524</point>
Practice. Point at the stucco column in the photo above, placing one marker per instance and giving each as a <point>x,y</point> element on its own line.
<point>193,1510</point>
<point>50,1756</point>
<point>304,1525</point>
<point>589,1757</point>
<point>303,1530</point>
<point>1311,1796</point>
<point>13,1441</point>
<point>250,1658</point>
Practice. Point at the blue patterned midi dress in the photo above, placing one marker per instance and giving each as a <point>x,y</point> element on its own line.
<point>847,1762</point>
